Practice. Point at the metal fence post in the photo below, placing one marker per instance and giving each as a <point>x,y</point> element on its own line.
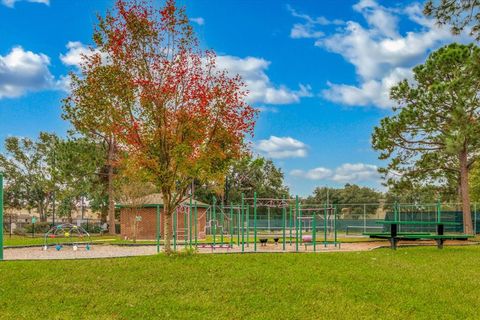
<point>364,218</point>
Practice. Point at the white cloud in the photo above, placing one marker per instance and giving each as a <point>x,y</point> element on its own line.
<point>261,90</point>
<point>319,173</point>
<point>304,31</point>
<point>23,71</point>
<point>369,92</point>
<point>76,50</point>
<point>358,172</point>
<point>11,3</point>
<point>267,109</point>
<point>64,83</point>
<point>307,29</point>
<point>199,20</point>
<point>381,55</point>
<point>346,173</point>
<point>282,147</point>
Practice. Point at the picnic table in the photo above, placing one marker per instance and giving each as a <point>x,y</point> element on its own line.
<point>394,236</point>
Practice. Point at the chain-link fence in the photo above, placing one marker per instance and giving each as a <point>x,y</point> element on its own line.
<point>350,220</point>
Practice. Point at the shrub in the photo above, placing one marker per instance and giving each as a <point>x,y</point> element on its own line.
<point>19,231</point>
<point>187,252</point>
<point>40,227</point>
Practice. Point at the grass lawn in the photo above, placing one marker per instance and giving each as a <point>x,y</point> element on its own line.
<point>409,283</point>
<point>15,240</point>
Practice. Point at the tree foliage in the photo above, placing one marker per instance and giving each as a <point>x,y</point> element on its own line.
<point>433,136</point>
<point>96,93</point>
<point>459,14</point>
<point>172,109</point>
<point>247,175</point>
<point>350,194</point>
<point>47,170</point>
<point>76,167</point>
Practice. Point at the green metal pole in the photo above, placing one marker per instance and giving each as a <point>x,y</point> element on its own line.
<point>238,227</point>
<point>223,221</point>
<point>190,222</point>
<point>325,225</point>
<point>290,218</point>
<point>335,225</point>
<point>475,218</point>
<point>1,216</point>
<point>185,226</point>
<point>255,221</point>
<point>231,225</point>
<point>195,213</point>
<point>214,220</point>
<point>268,220</point>
<point>284,218</point>
<point>314,233</point>
<point>158,228</point>
<point>301,221</point>
<point>175,230</point>
<point>247,211</point>
<point>439,212</point>
<point>242,214</point>
<point>395,211</point>
<point>296,223</point>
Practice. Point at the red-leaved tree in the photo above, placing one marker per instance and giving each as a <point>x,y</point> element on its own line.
<point>177,114</point>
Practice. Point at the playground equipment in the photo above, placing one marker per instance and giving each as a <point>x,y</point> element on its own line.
<point>67,234</point>
<point>255,222</point>
<point>290,225</point>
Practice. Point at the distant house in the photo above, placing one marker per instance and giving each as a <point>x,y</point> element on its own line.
<point>145,216</point>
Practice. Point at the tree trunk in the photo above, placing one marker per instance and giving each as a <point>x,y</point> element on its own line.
<point>464,190</point>
<point>41,213</point>
<point>168,232</point>
<point>167,226</point>
<point>111,204</point>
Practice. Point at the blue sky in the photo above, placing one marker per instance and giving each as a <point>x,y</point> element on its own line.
<point>319,71</point>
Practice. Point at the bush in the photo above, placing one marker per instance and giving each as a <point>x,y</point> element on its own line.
<point>185,252</point>
<point>40,227</point>
<point>92,228</point>
<point>19,231</point>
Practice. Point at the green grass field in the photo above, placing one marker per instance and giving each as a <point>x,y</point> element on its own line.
<point>409,283</point>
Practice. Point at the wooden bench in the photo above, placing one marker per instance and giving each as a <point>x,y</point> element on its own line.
<point>394,235</point>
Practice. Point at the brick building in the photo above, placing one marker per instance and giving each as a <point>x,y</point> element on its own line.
<point>146,219</point>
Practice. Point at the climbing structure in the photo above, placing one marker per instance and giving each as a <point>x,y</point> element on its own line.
<point>69,235</point>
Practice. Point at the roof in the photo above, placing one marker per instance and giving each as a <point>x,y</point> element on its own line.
<point>156,199</point>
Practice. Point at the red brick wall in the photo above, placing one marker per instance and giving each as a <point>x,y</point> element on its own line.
<point>146,229</point>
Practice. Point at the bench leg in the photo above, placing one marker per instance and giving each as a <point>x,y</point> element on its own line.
<point>393,243</point>
<point>440,243</point>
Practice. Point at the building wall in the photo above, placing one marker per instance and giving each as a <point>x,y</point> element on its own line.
<point>146,229</point>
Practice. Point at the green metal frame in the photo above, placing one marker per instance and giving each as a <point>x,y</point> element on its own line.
<point>242,214</point>
<point>158,229</point>
<point>255,221</point>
